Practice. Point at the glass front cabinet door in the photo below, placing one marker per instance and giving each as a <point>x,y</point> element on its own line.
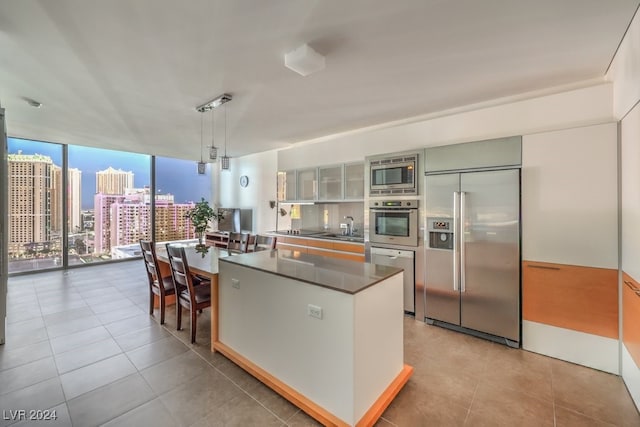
<point>354,181</point>
<point>286,185</point>
<point>307,184</point>
<point>330,183</point>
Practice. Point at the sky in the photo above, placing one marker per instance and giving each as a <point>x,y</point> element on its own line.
<point>175,176</point>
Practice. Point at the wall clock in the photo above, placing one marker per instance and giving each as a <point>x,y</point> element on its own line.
<point>244,180</point>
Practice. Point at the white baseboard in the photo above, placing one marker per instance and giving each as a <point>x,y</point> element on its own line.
<point>577,347</point>
<point>631,375</point>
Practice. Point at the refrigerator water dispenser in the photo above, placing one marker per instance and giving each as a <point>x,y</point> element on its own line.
<point>440,233</point>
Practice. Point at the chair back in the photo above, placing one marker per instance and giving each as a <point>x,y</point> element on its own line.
<point>151,263</point>
<point>238,242</point>
<point>180,271</point>
<point>264,243</point>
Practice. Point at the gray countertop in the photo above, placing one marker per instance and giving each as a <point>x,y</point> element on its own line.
<point>341,275</point>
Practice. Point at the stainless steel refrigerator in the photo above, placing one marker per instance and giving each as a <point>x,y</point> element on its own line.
<point>473,252</point>
<point>235,220</point>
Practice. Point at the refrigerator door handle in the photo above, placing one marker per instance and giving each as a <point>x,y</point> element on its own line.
<point>456,218</point>
<point>463,197</point>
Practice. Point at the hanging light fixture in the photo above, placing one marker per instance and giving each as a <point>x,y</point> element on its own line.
<point>224,160</point>
<point>202,166</point>
<point>213,150</point>
<point>210,106</point>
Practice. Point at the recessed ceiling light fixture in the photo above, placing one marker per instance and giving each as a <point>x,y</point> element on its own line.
<point>304,60</point>
<point>32,102</point>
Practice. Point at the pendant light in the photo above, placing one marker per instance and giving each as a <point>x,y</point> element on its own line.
<point>213,150</point>
<point>202,166</point>
<point>224,160</point>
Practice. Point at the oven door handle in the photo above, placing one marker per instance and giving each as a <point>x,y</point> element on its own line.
<point>393,210</point>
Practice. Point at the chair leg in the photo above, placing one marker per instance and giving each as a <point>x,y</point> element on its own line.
<point>162,306</point>
<point>178,315</point>
<point>151,303</point>
<point>194,323</point>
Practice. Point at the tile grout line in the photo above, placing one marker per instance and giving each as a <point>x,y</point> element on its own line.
<point>238,386</point>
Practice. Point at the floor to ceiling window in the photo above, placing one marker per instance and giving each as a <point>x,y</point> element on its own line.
<point>35,198</point>
<point>178,186</point>
<point>109,204</point>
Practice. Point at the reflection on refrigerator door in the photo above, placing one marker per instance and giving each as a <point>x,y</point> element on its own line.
<point>473,252</point>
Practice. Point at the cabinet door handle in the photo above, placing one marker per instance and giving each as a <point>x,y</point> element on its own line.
<point>543,267</point>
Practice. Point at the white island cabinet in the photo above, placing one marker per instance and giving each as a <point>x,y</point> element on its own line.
<point>324,333</point>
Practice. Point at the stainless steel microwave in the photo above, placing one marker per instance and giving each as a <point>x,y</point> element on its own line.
<point>393,175</point>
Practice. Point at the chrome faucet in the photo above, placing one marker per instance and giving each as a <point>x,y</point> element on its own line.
<point>350,225</point>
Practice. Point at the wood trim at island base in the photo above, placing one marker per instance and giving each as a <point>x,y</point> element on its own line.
<point>385,399</point>
<point>214,310</point>
<point>312,409</point>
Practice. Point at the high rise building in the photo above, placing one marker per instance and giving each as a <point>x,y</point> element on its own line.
<point>74,199</point>
<point>102,221</point>
<point>171,221</point>
<point>56,199</point>
<point>111,181</point>
<point>30,216</point>
<point>130,222</point>
<point>131,218</point>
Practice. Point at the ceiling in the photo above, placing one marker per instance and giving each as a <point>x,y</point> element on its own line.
<point>128,74</point>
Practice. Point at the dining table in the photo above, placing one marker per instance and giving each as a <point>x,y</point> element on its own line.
<point>203,261</point>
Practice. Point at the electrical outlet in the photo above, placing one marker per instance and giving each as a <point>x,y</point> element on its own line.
<point>235,283</point>
<point>314,311</point>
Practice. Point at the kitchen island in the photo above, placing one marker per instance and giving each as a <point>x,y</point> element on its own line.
<point>324,333</point>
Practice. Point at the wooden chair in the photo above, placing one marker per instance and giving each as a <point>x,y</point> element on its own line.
<point>160,286</point>
<point>192,297</point>
<point>264,243</point>
<point>238,243</point>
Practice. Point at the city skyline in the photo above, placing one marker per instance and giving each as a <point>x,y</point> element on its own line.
<point>171,178</point>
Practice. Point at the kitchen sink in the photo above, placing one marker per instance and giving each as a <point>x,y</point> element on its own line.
<point>335,236</point>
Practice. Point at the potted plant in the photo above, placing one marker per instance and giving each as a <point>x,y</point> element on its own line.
<point>200,215</point>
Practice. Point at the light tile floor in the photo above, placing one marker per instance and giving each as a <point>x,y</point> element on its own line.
<point>82,343</point>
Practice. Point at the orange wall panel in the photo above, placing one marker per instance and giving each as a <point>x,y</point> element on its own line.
<point>631,316</point>
<point>579,298</point>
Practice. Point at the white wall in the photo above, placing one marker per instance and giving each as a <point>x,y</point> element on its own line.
<point>630,170</point>
<point>625,74</point>
<point>569,197</point>
<point>574,108</point>
<point>625,71</point>
<point>261,169</point>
